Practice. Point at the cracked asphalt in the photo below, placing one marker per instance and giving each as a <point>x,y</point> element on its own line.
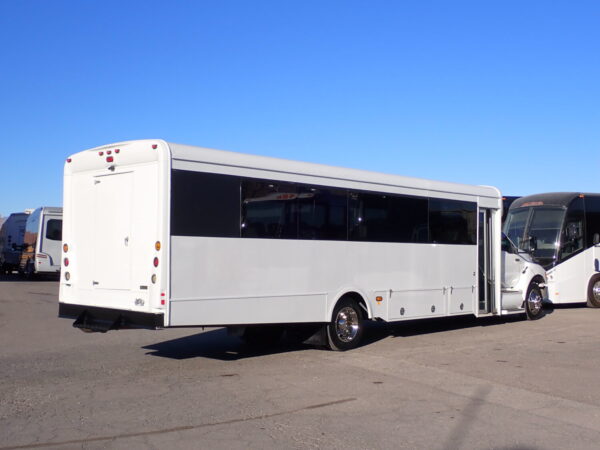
<point>437,384</point>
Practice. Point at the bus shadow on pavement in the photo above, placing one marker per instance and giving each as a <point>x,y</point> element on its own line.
<point>217,344</point>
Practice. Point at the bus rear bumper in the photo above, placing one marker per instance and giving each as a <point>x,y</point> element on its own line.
<point>93,318</point>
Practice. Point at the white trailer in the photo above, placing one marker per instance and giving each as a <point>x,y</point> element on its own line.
<point>166,235</point>
<point>11,241</point>
<point>42,242</point>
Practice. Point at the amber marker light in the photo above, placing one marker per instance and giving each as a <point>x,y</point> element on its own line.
<point>157,246</point>
<point>65,248</point>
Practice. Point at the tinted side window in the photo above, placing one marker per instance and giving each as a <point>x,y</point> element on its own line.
<point>592,216</point>
<point>388,218</point>
<point>205,204</point>
<point>54,230</point>
<point>573,233</point>
<point>323,213</point>
<point>269,209</point>
<point>452,221</point>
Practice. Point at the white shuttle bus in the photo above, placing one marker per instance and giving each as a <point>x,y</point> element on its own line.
<point>167,235</point>
<point>12,234</point>
<point>561,231</point>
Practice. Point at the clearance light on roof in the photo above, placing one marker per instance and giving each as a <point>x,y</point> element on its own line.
<point>117,150</point>
<point>101,153</point>
<point>69,160</point>
<point>154,146</point>
<point>108,152</point>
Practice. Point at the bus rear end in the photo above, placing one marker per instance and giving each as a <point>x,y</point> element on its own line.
<point>114,255</point>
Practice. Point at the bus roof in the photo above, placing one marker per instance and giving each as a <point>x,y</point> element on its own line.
<point>284,166</point>
<point>193,154</point>
<point>549,199</point>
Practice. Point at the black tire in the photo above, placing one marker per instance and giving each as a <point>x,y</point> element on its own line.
<point>262,335</point>
<point>594,292</point>
<point>534,302</point>
<point>346,328</point>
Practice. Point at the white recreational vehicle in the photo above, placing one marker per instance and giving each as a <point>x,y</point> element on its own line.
<point>42,242</point>
<point>167,235</point>
<point>11,241</point>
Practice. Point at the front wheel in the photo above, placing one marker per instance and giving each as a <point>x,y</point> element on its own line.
<point>345,330</point>
<point>594,292</point>
<point>534,302</point>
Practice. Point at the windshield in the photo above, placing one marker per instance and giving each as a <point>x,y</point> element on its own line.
<point>536,230</point>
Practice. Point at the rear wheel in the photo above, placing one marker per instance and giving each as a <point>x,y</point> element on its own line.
<point>345,330</point>
<point>534,302</point>
<point>594,292</point>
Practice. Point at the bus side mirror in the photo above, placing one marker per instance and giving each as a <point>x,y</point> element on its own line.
<point>596,239</point>
<point>532,244</point>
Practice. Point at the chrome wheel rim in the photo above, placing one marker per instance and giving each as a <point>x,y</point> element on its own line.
<point>346,324</point>
<point>534,301</point>
<point>596,291</point>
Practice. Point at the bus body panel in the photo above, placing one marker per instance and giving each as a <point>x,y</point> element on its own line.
<point>271,278</point>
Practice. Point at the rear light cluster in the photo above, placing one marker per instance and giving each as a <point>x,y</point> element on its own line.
<point>155,262</point>
<point>66,261</point>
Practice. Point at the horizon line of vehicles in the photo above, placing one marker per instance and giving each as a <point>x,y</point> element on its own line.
<point>161,235</point>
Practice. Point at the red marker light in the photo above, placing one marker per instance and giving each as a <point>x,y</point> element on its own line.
<point>101,153</point>
<point>109,159</point>
<point>117,150</point>
<point>108,152</point>
<point>69,160</point>
<point>66,262</point>
<point>155,262</point>
<point>154,146</point>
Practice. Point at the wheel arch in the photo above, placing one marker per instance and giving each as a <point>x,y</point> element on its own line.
<point>357,295</point>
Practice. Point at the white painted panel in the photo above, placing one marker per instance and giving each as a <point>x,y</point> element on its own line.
<point>112,231</point>
<point>252,310</point>
<point>461,300</point>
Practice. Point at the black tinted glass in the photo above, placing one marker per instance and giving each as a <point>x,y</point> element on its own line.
<point>54,230</point>
<point>573,235</point>
<point>269,209</point>
<point>323,213</point>
<point>452,221</point>
<point>205,204</point>
<point>388,218</point>
<point>592,214</point>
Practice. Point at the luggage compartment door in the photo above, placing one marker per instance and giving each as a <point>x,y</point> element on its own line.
<point>112,231</point>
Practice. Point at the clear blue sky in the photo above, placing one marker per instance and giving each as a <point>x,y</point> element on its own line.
<point>504,93</point>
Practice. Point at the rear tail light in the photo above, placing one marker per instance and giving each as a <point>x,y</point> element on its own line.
<point>155,262</point>
<point>66,262</point>
<point>109,159</point>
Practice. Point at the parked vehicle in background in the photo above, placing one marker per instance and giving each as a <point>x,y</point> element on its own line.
<point>561,231</point>
<point>42,242</point>
<point>167,235</point>
<point>11,241</point>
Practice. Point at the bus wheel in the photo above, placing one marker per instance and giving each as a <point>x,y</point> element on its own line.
<point>345,330</point>
<point>594,292</point>
<point>534,302</point>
